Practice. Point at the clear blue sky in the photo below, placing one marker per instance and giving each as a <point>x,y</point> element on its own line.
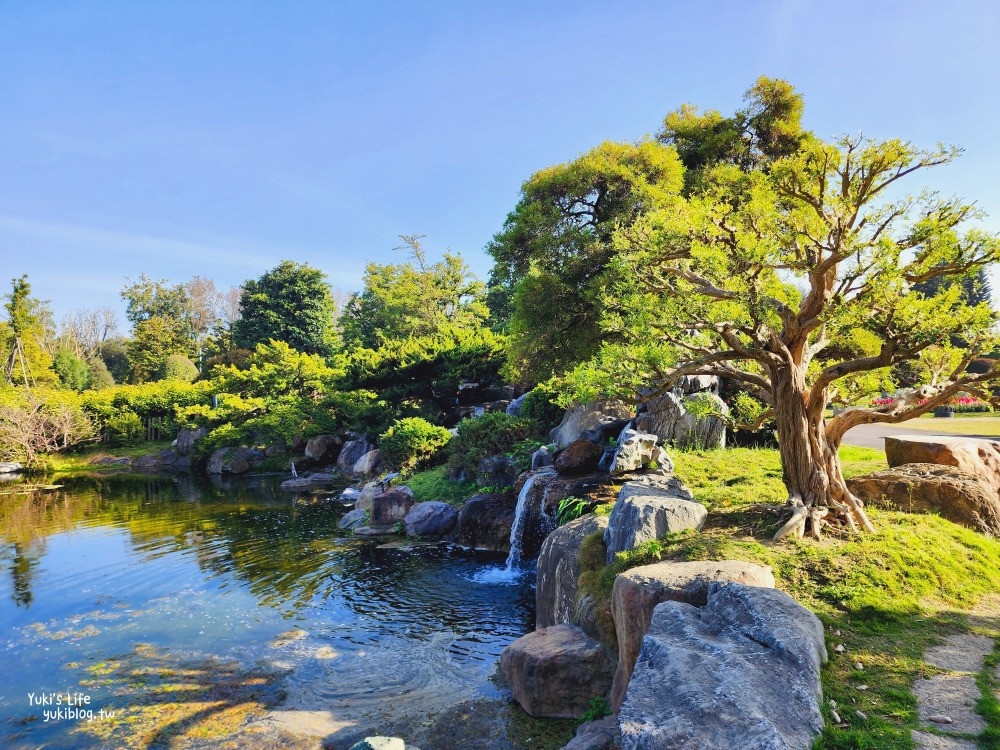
<point>216,138</point>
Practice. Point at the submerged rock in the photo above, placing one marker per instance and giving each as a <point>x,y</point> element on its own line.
<point>308,481</point>
<point>432,518</point>
<point>555,672</point>
<point>649,508</point>
<point>741,673</point>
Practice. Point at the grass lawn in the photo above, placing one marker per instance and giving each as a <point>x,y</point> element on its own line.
<point>965,424</point>
<point>890,594</point>
<point>83,459</point>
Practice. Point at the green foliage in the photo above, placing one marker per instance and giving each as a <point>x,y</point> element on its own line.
<point>25,358</point>
<point>492,434</point>
<point>597,709</point>
<point>40,420</point>
<point>570,509</point>
<point>291,303</point>
<point>433,484</point>
<point>415,299</point>
<point>114,354</point>
<point>73,372</point>
<point>552,255</point>
<point>124,428</point>
<point>157,400</point>
<point>178,367</point>
<point>100,376</point>
<point>153,340</point>
<point>413,442</point>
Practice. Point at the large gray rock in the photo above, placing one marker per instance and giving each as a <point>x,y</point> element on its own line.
<point>637,591</point>
<point>352,452</point>
<point>668,418</point>
<point>741,673</point>
<point>635,450</point>
<point>10,467</point>
<point>514,407</point>
<point>966,499</point>
<point>391,507</point>
<point>324,448</point>
<point>595,421</point>
<point>558,571</point>
<point>485,521</point>
<point>600,734</point>
<point>647,510</point>
<point>187,437</point>
<point>496,471</point>
<point>352,520</point>
<point>432,518</point>
<point>233,460</point>
<point>308,481</point>
<point>366,465</point>
<point>555,672</point>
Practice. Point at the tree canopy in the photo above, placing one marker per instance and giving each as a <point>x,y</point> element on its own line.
<point>290,303</point>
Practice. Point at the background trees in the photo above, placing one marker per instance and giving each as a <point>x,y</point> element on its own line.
<point>290,303</point>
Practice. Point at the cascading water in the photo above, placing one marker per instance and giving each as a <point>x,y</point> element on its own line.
<point>512,568</point>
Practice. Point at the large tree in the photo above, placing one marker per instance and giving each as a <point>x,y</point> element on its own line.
<point>289,303</point>
<point>413,299</point>
<point>552,255</point>
<point>801,282</point>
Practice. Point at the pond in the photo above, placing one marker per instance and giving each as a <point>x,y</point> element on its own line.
<point>171,611</point>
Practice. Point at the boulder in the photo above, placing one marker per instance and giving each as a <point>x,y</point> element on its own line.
<point>961,497</point>
<point>635,450</point>
<point>353,519</point>
<point>541,458</point>
<point>308,481</point>
<point>366,464</point>
<point>559,569</point>
<point>379,743</point>
<point>601,734</point>
<point>555,672</point>
<point>350,496</point>
<point>668,418</point>
<point>186,438</point>
<point>273,451</point>
<point>485,521</point>
<point>636,593</point>
<point>497,471</point>
<point>324,448</point>
<point>580,457</point>
<point>368,492</point>
<point>595,421</point>
<point>514,407</point>
<point>232,460</point>
<point>968,455</point>
<point>392,506</point>
<point>352,451</point>
<point>741,673</point>
<point>10,467</point>
<point>433,518</point>
<point>647,510</point>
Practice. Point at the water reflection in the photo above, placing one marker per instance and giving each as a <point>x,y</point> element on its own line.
<point>219,569</point>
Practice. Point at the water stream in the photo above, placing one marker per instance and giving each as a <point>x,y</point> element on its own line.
<point>112,587</point>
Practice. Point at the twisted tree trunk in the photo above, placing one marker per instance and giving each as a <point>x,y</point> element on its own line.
<point>817,492</point>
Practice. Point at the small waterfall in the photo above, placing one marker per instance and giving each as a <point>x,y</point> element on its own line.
<point>512,568</point>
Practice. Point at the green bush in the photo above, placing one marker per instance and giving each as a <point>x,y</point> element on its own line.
<point>540,409</point>
<point>178,367</point>
<point>413,442</point>
<point>491,434</point>
<point>124,428</point>
<point>100,376</point>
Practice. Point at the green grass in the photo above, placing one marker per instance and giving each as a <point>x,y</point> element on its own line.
<point>891,594</point>
<point>433,484</point>
<point>82,460</point>
<point>961,424</point>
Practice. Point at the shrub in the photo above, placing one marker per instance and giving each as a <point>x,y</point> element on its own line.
<point>72,371</point>
<point>540,409</point>
<point>124,428</point>
<point>100,376</point>
<point>412,442</point>
<point>40,421</point>
<point>491,434</point>
<point>178,367</point>
<point>433,484</point>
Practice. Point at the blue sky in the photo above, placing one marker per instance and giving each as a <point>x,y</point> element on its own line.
<point>183,138</point>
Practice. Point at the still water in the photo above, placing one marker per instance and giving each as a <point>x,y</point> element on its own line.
<point>190,609</point>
